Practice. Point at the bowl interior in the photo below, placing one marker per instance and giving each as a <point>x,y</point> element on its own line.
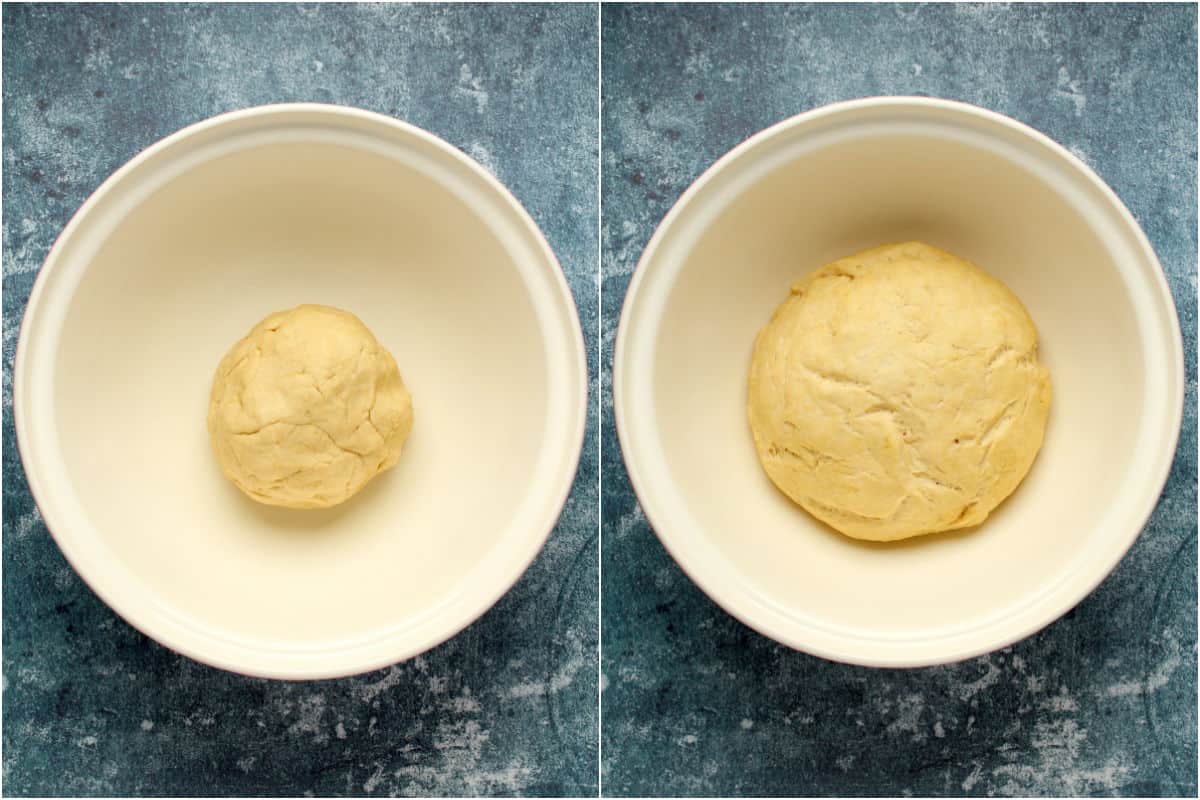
<point>819,191</point>
<point>446,273</point>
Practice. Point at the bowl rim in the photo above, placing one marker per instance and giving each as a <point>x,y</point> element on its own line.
<point>387,650</point>
<point>726,593</point>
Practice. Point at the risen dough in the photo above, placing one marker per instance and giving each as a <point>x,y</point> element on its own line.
<point>898,392</point>
<point>307,408</point>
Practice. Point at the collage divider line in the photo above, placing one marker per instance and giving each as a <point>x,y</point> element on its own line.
<point>599,401</point>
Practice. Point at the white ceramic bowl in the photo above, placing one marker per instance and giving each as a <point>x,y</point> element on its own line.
<point>834,181</point>
<point>172,260</point>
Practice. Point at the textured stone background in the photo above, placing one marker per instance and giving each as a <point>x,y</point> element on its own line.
<point>1103,702</point>
<point>93,707</point>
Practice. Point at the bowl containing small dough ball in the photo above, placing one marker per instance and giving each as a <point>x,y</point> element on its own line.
<point>898,381</point>
<point>300,391</point>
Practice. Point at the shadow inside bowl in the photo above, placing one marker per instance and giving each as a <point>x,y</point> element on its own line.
<point>311,521</point>
<point>924,540</point>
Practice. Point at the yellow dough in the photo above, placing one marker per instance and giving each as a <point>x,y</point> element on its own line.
<point>307,408</point>
<point>898,392</point>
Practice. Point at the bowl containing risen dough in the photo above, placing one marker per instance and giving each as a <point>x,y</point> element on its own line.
<point>898,381</point>
<point>209,402</point>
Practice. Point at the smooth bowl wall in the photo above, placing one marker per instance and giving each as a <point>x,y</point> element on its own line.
<point>834,182</point>
<point>175,260</point>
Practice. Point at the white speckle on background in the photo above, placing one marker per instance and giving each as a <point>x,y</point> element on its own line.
<point>1157,678</point>
<point>561,679</point>
<point>88,741</point>
<point>24,258</point>
<point>310,712</point>
<point>976,773</point>
<point>1069,89</point>
<point>147,725</point>
<point>1057,745</point>
<point>97,59</point>
<point>339,731</point>
<point>1124,689</point>
<point>373,782</point>
<point>634,519</point>
<point>461,744</point>
<point>747,724</point>
<point>688,740</point>
<point>64,578</point>
<point>318,65</point>
<point>1061,701</point>
<point>472,87</point>
<point>697,63</point>
<point>27,523</point>
<point>245,764</point>
<point>463,703</point>
<point>938,731</point>
<point>908,717</point>
<point>1080,153</point>
<point>484,156</point>
<point>968,690</point>
<point>664,581</point>
<point>628,673</point>
<point>372,690</point>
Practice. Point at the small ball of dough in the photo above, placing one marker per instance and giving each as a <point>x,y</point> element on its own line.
<point>307,408</point>
<point>898,392</point>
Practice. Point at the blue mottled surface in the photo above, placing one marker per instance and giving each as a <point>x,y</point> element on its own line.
<point>1102,702</point>
<point>93,707</point>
